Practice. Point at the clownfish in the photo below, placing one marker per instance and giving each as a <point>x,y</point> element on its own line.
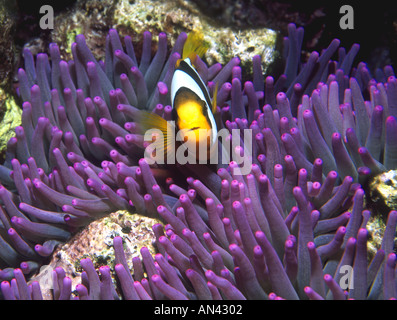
<point>192,108</point>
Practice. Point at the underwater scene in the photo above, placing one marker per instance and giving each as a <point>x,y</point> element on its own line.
<point>198,150</point>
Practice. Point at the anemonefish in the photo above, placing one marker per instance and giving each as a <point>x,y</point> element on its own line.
<point>193,110</point>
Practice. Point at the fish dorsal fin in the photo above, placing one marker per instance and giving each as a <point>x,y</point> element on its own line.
<point>195,45</point>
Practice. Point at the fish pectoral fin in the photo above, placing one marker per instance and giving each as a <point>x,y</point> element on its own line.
<point>148,120</point>
<point>214,96</point>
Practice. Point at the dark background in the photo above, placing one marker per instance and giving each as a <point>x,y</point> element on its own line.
<point>375,22</point>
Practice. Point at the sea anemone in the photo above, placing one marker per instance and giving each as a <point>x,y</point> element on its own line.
<point>290,228</point>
